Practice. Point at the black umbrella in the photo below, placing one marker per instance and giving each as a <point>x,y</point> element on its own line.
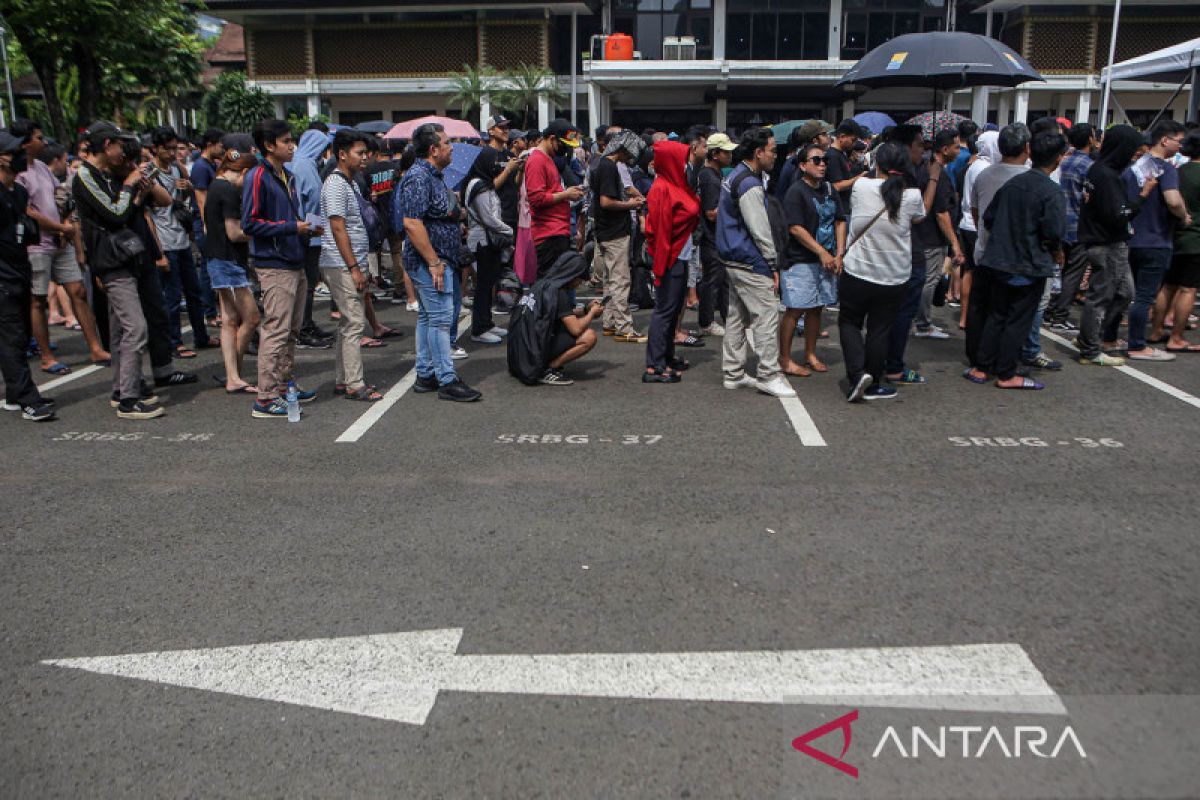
<point>940,60</point>
<point>374,126</point>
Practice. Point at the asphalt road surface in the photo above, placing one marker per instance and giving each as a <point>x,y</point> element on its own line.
<point>609,517</point>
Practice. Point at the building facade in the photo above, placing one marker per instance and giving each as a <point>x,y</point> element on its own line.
<point>734,63</point>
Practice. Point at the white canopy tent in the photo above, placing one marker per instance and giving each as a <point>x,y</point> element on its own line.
<point>1178,63</point>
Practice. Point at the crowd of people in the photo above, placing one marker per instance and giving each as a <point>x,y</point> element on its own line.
<point>1013,227</point>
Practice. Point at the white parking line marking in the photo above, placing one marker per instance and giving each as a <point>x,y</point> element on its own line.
<point>1162,386</point>
<point>76,374</point>
<point>806,429</point>
<point>390,398</point>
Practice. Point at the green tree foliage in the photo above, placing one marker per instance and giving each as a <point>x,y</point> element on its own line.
<point>111,52</point>
<point>299,123</point>
<point>470,86</point>
<point>521,88</point>
<point>232,105</point>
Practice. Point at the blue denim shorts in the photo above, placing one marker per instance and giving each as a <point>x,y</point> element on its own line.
<point>807,286</point>
<point>227,274</point>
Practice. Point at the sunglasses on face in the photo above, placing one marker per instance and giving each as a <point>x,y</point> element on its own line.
<point>817,160</point>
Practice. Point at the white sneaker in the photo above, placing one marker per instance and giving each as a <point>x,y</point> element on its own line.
<point>458,354</point>
<point>487,337</point>
<point>777,387</point>
<point>932,332</point>
<point>412,306</point>
<point>321,291</point>
<point>498,331</point>
<point>713,329</point>
<point>744,382</point>
<point>7,406</point>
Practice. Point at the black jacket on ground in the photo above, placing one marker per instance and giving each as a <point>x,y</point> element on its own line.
<point>1106,211</point>
<point>531,325</point>
<point>1026,221</point>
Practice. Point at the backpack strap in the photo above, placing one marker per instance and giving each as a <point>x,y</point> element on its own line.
<point>736,185</point>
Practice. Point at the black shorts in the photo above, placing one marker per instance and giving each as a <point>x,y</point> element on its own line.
<point>968,245</point>
<point>1184,271</point>
<point>561,342</point>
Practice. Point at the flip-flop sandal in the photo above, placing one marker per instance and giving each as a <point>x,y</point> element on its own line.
<point>247,389</point>
<point>910,377</point>
<point>340,388</point>
<point>1192,348</point>
<point>818,367</point>
<point>1160,340</point>
<point>1026,383</point>
<point>183,352</point>
<point>690,341</point>
<point>103,362</point>
<point>389,333</point>
<point>57,368</point>
<point>75,326</point>
<point>974,378</point>
<point>802,372</point>
<point>369,342</point>
<point>367,394</point>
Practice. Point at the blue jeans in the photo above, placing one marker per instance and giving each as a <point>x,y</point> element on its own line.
<point>211,310</point>
<point>1033,343</point>
<point>435,320</point>
<point>898,337</point>
<point>183,281</point>
<point>1149,266</point>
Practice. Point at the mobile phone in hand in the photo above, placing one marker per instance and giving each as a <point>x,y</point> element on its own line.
<point>604,300</point>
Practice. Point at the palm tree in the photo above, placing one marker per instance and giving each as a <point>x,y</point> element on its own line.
<point>520,89</point>
<point>470,86</point>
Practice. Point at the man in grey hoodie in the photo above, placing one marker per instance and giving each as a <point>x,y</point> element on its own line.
<point>305,169</point>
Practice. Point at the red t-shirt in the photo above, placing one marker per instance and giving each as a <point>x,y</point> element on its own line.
<point>542,181</point>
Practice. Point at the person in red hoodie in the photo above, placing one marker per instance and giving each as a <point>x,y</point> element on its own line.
<point>672,213</point>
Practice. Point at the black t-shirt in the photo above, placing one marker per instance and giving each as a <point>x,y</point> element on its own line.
<point>838,169</point>
<point>801,207</point>
<point>494,161</point>
<point>14,256</point>
<point>710,197</point>
<point>606,182</point>
<point>224,202</point>
<point>926,235</point>
<point>381,176</point>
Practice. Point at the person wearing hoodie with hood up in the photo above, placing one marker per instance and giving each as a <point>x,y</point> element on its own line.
<point>987,153</point>
<point>305,168</point>
<point>1105,231</point>
<point>672,213</point>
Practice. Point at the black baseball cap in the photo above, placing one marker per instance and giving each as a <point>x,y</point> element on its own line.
<point>8,142</point>
<point>564,131</point>
<point>241,142</point>
<point>498,121</point>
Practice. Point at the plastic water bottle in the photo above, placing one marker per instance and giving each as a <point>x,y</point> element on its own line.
<point>293,402</point>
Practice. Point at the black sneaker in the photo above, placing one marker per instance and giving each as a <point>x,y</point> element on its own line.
<point>137,409</point>
<point>177,378</point>
<point>425,385</point>
<point>147,396</point>
<point>555,377</point>
<point>38,412</point>
<point>459,392</point>
<point>309,342</point>
<point>316,331</point>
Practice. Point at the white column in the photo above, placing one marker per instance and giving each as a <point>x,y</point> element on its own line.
<point>719,30</point>
<point>848,108</point>
<point>595,112</point>
<point>1021,109</point>
<point>279,108</point>
<point>314,104</point>
<point>1005,108</point>
<point>485,111</point>
<point>720,113</point>
<point>979,105</point>
<point>544,112</point>
<point>1083,106</point>
<point>835,30</point>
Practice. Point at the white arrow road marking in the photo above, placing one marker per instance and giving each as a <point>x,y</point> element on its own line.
<point>397,676</point>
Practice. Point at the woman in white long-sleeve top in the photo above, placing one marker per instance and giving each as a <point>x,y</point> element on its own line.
<point>490,240</point>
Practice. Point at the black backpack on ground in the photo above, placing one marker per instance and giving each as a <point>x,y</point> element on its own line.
<point>531,324</point>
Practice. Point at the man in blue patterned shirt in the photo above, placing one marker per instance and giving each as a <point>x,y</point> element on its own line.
<point>1084,145</point>
<point>432,222</point>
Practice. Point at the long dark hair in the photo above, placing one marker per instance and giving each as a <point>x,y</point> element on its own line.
<point>892,164</point>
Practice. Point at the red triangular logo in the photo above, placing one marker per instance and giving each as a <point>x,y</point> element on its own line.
<point>843,722</point>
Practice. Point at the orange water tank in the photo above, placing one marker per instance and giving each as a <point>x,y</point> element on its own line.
<point>619,47</point>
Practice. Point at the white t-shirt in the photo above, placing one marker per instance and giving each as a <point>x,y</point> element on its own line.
<point>339,198</point>
<point>884,253</point>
